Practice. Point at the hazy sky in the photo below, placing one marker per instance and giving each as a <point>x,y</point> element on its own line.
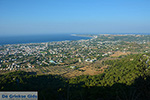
<point>19,17</point>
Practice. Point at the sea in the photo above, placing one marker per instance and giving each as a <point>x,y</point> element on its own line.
<point>39,38</point>
<point>47,38</point>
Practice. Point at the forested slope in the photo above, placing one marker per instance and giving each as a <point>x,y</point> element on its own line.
<point>125,79</point>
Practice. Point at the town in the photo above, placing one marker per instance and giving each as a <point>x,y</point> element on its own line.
<point>67,57</point>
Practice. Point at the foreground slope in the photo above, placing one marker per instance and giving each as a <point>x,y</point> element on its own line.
<point>125,79</point>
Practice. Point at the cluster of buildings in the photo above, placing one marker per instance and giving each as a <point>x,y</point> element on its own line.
<point>30,55</point>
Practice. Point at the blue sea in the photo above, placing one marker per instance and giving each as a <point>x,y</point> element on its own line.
<point>38,38</point>
<point>46,38</point>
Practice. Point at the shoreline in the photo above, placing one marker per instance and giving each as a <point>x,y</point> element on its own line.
<point>48,41</point>
<point>89,36</point>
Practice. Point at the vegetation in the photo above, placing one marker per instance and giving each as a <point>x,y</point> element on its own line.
<point>125,79</point>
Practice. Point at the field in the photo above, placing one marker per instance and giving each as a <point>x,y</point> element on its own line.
<point>83,68</point>
<point>119,53</point>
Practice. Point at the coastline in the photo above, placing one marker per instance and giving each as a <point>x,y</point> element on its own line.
<point>73,39</point>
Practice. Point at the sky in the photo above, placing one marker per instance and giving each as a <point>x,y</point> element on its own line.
<point>25,17</point>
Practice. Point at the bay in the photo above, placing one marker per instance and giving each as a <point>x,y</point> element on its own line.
<point>38,38</point>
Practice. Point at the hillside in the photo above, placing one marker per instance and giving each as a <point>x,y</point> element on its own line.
<point>124,79</point>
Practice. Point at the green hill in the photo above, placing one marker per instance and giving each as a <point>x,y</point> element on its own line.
<point>125,79</point>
